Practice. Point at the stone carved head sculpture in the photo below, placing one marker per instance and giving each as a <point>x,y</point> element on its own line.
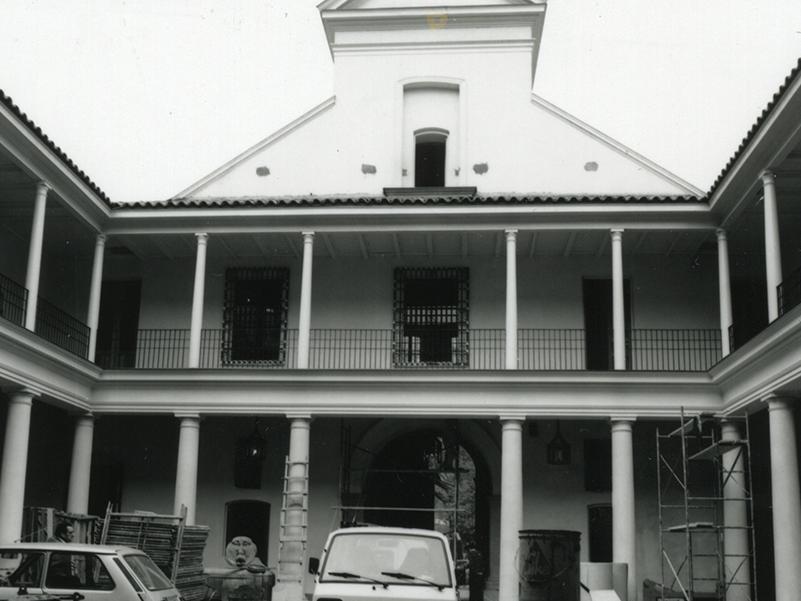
<point>241,552</point>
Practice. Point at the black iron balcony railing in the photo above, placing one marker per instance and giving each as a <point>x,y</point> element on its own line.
<point>365,349</point>
<point>62,329</point>
<point>13,300</point>
<point>674,350</point>
<point>789,292</point>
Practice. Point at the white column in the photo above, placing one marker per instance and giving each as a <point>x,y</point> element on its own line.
<point>35,254</point>
<point>14,465</point>
<point>735,518</point>
<point>186,472</point>
<point>93,313</point>
<point>511,507</point>
<point>292,560</point>
<point>198,294</point>
<point>624,532</point>
<point>773,253</point>
<point>511,299</point>
<point>724,291</point>
<point>618,301</point>
<point>304,317</point>
<point>786,499</point>
<point>78,495</point>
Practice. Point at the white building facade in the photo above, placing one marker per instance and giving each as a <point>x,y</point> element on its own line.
<point>434,272</point>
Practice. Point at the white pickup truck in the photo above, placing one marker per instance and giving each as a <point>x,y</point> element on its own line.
<point>384,564</point>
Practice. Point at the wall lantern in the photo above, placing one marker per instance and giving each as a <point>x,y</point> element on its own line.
<point>250,454</point>
<point>558,449</point>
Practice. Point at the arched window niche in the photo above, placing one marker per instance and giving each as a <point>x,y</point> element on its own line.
<point>431,133</point>
<point>430,149</point>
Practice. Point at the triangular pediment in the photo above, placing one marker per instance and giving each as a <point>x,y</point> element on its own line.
<point>388,4</point>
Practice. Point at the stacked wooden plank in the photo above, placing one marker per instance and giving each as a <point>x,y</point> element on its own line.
<point>174,547</point>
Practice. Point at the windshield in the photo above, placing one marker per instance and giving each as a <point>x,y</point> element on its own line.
<point>148,572</point>
<point>379,556</point>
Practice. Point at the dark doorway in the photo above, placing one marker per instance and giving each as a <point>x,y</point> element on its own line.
<point>749,310</point>
<point>105,487</point>
<point>600,530</point>
<point>251,519</point>
<point>598,322</point>
<point>118,324</point>
<point>429,162</point>
<point>426,470</point>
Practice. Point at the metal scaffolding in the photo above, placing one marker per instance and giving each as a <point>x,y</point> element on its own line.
<point>706,516</point>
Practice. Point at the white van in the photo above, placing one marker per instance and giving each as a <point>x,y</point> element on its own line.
<point>384,564</point>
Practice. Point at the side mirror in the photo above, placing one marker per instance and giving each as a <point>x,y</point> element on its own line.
<point>314,565</point>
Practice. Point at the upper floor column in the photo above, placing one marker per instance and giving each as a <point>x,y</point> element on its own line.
<point>724,291</point>
<point>198,295</point>
<point>618,306</point>
<point>773,253</point>
<point>304,317</point>
<point>35,254</point>
<point>93,312</point>
<point>511,299</point>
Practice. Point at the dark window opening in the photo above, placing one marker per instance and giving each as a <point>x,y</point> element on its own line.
<point>600,530</point>
<point>431,316</point>
<point>255,315</point>
<point>599,337</point>
<point>250,519</point>
<point>429,162</point>
<point>118,323</point>
<point>598,464</point>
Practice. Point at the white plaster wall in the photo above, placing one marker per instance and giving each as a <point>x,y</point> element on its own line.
<point>526,147</point>
<point>357,293</point>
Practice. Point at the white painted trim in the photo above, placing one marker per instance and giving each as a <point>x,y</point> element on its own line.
<point>272,138</point>
<point>617,146</point>
<point>342,4</point>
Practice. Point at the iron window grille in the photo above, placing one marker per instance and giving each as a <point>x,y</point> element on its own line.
<point>255,317</point>
<point>431,317</point>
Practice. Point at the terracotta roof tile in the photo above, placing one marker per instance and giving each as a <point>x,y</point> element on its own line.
<point>425,199</point>
<point>755,127</point>
<point>36,130</point>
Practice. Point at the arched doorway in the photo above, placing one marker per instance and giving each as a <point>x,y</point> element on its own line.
<point>430,478</point>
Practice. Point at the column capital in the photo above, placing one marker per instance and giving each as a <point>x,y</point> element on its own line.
<point>509,418</point>
<point>202,237</point>
<point>767,177</point>
<point>24,396</point>
<point>778,401</point>
<point>100,240</point>
<point>511,233</point>
<point>617,233</point>
<point>307,236</point>
<point>622,419</point>
<point>296,416</point>
<point>42,187</point>
<point>720,234</point>
<point>182,415</point>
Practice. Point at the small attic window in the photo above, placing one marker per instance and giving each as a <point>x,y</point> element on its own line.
<point>429,157</point>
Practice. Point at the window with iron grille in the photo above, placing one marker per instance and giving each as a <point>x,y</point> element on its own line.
<point>255,316</point>
<point>431,321</point>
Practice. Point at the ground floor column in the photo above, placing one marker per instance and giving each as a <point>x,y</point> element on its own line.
<point>78,495</point>
<point>786,499</point>
<point>735,518</point>
<point>624,531</point>
<point>186,472</point>
<point>511,506</point>
<point>293,536</point>
<point>14,465</point>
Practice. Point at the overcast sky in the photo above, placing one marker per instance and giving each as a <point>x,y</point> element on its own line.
<point>148,96</point>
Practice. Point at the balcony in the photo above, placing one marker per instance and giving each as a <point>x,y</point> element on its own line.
<point>789,292</point>
<point>687,350</point>
<point>52,324</point>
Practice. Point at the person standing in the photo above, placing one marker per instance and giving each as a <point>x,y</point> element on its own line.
<point>63,533</point>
